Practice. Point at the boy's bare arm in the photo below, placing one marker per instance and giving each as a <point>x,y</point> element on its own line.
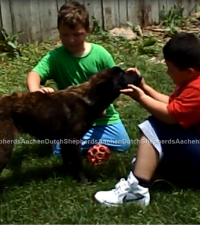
<point>33,83</point>
<point>155,95</point>
<point>157,109</point>
<point>149,90</point>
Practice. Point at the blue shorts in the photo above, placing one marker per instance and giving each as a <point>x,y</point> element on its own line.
<point>114,136</point>
<point>178,148</point>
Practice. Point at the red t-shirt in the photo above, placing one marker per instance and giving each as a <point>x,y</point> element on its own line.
<point>184,104</point>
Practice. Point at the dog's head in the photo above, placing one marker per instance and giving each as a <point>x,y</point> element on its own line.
<point>111,81</point>
<point>121,79</point>
<point>104,87</point>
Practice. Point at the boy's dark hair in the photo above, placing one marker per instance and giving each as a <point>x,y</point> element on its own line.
<point>73,14</point>
<point>183,50</point>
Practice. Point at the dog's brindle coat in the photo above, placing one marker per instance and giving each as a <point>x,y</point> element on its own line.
<point>64,114</point>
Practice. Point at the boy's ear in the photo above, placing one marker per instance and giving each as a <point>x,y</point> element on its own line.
<point>191,71</point>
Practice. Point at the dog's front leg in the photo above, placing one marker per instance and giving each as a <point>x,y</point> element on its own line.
<point>72,159</point>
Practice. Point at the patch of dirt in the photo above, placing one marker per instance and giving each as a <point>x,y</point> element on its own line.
<point>127,33</point>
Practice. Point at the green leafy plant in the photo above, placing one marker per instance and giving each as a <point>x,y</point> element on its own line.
<point>96,27</point>
<point>9,43</point>
<point>147,45</point>
<point>173,17</point>
<point>172,20</point>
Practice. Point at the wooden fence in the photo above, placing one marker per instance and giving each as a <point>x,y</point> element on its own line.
<point>38,18</point>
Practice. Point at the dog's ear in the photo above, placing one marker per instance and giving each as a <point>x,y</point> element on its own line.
<point>103,86</point>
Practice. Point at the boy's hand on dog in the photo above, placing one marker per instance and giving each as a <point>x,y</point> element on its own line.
<point>135,70</point>
<point>134,92</point>
<point>46,90</point>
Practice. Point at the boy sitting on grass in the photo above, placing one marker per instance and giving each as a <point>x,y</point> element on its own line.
<point>73,63</point>
<point>170,138</point>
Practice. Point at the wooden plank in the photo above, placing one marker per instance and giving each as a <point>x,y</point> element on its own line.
<point>171,3</point>
<point>80,1</point>
<point>189,6</point>
<point>154,12</point>
<point>16,16</point>
<point>116,18</point>
<point>35,28</point>
<point>1,24</point>
<point>90,5</point>
<point>135,11</point>
<point>6,16</point>
<point>161,4</point>
<point>20,14</point>
<point>48,19</point>
<point>150,12</point>
<point>60,3</point>
<point>108,10</point>
<point>197,8</point>
<point>123,12</point>
<point>44,20</point>
<point>53,12</point>
<point>109,13</point>
<point>97,11</point>
<point>196,4</point>
<point>25,17</point>
<point>194,10</point>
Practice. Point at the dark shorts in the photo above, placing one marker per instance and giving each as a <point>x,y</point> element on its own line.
<point>180,149</point>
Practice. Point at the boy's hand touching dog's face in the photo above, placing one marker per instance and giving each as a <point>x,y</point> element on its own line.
<point>134,92</point>
<point>135,70</point>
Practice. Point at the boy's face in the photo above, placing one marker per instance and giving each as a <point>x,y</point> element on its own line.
<point>73,39</point>
<point>178,76</point>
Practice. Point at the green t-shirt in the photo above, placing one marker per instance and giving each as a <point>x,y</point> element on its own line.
<point>66,69</point>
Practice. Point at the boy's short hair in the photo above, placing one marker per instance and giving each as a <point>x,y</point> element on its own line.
<point>73,14</point>
<point>183,50</point>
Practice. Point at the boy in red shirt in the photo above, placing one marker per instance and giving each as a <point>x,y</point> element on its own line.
<point>170,138</point>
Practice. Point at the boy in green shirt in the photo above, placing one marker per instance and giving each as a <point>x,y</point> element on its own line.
<point>73,63</point>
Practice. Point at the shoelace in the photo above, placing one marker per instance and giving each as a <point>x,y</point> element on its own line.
<point>121,186</point>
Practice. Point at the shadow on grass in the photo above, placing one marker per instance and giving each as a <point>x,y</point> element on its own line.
<point>53,167</point>
<point>20,178</point>
<point>118,167</point>
<point>19,175</point>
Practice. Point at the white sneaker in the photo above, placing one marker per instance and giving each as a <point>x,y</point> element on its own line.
<point>125,191</point>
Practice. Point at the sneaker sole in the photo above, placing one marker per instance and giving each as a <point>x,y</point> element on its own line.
<point>105,203</point>
<point>140,202</point>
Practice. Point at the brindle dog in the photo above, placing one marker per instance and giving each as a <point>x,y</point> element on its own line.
<point>62,115</point>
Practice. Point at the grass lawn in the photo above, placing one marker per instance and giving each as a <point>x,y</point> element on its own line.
<point>34,189</point>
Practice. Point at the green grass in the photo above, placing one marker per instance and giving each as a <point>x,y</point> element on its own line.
<point>33,188</point>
